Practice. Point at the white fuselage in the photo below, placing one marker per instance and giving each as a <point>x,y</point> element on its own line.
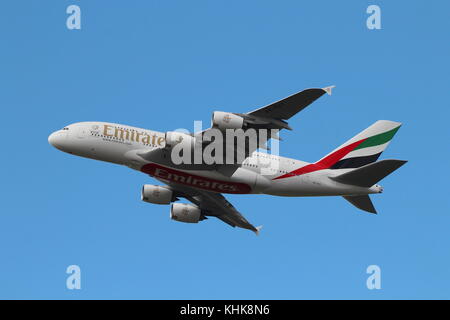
<point>260,173</point>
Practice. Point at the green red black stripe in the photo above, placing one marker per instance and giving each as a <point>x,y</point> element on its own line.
<point>324,163</point>
<point>333,160</point>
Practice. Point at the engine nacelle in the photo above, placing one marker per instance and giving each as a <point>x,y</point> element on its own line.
<point>226,120</point>
<point>174,137</point>
<point>156,194</point>
<point>184,212</point>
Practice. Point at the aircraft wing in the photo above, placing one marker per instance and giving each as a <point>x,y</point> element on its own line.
<point>213,204</point>
<point>288,107</point>
<point>274,116</point>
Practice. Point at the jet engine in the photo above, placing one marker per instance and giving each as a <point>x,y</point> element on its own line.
<point>156,194</point>
<point>184,212</point>
<point>226,120</point>
<point>174,137</point>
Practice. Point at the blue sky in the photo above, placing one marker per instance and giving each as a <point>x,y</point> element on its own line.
<point>163,64</point>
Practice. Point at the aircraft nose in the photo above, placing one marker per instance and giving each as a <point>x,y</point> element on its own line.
<point>56,139</point>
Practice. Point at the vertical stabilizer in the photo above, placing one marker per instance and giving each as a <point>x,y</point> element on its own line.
<point>364,148</point>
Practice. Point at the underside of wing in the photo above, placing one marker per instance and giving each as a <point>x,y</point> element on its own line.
<point>215,205</point>
<point>288,107</point>
<point>268,120</point>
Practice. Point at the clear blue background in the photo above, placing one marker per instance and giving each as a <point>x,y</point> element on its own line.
<point>163,64</point>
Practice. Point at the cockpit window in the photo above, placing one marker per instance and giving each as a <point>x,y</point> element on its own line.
<point>65,128</point>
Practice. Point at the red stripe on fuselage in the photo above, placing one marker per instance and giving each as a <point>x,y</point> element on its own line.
<point>194,181</point>
<point>324,163</point>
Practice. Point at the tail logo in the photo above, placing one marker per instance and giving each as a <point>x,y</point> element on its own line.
<point>353,155</point>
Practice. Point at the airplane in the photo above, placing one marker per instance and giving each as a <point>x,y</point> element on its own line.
<point>351,170</point>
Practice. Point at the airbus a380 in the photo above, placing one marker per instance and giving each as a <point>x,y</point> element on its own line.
<point>351,170</point>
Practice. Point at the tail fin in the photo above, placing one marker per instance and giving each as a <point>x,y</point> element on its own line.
<point>362,149</point>
<point>361,202</point>
<point>369,174</point>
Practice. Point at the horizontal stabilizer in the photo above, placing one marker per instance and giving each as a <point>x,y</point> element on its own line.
<point>369,174</point>
<point>361,202</point>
